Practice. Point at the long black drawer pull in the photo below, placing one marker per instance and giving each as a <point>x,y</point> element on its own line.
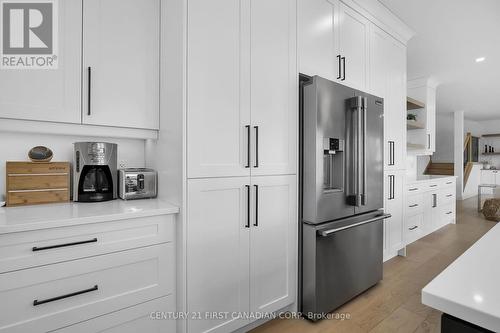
<point>413,228</point>
<point>35,248</point>
<point>76,293</point>
<point>413,206</point>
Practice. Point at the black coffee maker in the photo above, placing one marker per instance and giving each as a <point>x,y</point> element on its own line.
<point>95,171</point>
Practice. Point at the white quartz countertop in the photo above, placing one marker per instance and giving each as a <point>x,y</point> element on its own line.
<point>469,288</point>
<point>25,218</point>
<point>426,178</point>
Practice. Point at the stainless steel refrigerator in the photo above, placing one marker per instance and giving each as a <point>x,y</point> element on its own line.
<point>341,153</point>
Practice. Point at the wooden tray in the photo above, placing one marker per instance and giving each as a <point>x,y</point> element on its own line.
<point>31,183</point>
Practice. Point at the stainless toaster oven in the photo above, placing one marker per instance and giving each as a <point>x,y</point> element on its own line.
<point>137,183</point>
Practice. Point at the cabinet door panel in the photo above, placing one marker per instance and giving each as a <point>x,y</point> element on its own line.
<point>49,95</point>
<point>394,205</point>
<point>217,251</point>
<point>317,35</point>
<point>218,97</point>
<point>274,86</point>
<point>353,45</point>
<point>388,80</point>
<point>121,46</point>
<point>273,243</point>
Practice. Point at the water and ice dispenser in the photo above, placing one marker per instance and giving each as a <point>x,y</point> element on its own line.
<point>333,164</point>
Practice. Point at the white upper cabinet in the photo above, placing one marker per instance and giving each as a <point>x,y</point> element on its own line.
<point>317,33</point>
<point>333,42</point>
<point>353,47</point>
<point>49,94</point>
<point>273,241</point>
<point>274,86</point>
<point>218,107</point>
<point>121,63</point>
<point>242,88</point>
<point>388,80</point>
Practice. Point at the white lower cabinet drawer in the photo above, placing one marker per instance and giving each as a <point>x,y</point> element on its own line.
<point>150,317</point>
<point>447,195</point>
<point>414,227</point>
<point>414,204</point>
<point>41,247</point>
<point>50,297</point>
<point>448,214</point>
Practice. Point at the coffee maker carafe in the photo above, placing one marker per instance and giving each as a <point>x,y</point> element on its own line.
<point>95,171</point>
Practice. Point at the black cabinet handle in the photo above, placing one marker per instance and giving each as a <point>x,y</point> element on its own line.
<point>76,293</point>
<point>413,228</point>
<point>449,213</point>
<point>42,248</point>
<point>428,141</point>
<point>391,153</point>
<point>449,195</point>
<point>256,224</point>
<point>391,187</point>
<point>413,206</point>
<point>433,185</point>
<point>89,83</point>
<point>413,189</point>
<point>256,146</point>
<point>340,67</point>
<point>248,146</point>
<point>247,225</point>
<point>434,200</point>
<point>343,67</point>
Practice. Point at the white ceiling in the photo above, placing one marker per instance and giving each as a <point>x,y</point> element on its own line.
<point>450,35</point>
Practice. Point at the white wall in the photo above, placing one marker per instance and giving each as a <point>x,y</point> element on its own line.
<point>15,147</point>
<point>474,127</point>
<point>444,138</point>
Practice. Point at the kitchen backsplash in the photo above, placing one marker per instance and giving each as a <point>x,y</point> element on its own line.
<point>15,147</point>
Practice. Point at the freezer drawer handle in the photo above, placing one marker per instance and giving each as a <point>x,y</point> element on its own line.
<point>327,233</point>
<point>35,248</point>
<point>76,293</point>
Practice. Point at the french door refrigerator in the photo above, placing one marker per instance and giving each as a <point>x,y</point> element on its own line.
<point>341,178</point>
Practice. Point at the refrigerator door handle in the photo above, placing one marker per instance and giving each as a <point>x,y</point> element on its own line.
<point>326,233</point>
<point>364,192</point>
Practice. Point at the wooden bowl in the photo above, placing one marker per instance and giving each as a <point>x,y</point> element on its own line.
<point>40,154</point>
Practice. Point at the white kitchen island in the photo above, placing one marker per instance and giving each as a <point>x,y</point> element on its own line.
<point>469,289</point>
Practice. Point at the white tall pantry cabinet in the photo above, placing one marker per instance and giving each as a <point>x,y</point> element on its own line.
<point>388,80</point>
<point>242,116</point>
